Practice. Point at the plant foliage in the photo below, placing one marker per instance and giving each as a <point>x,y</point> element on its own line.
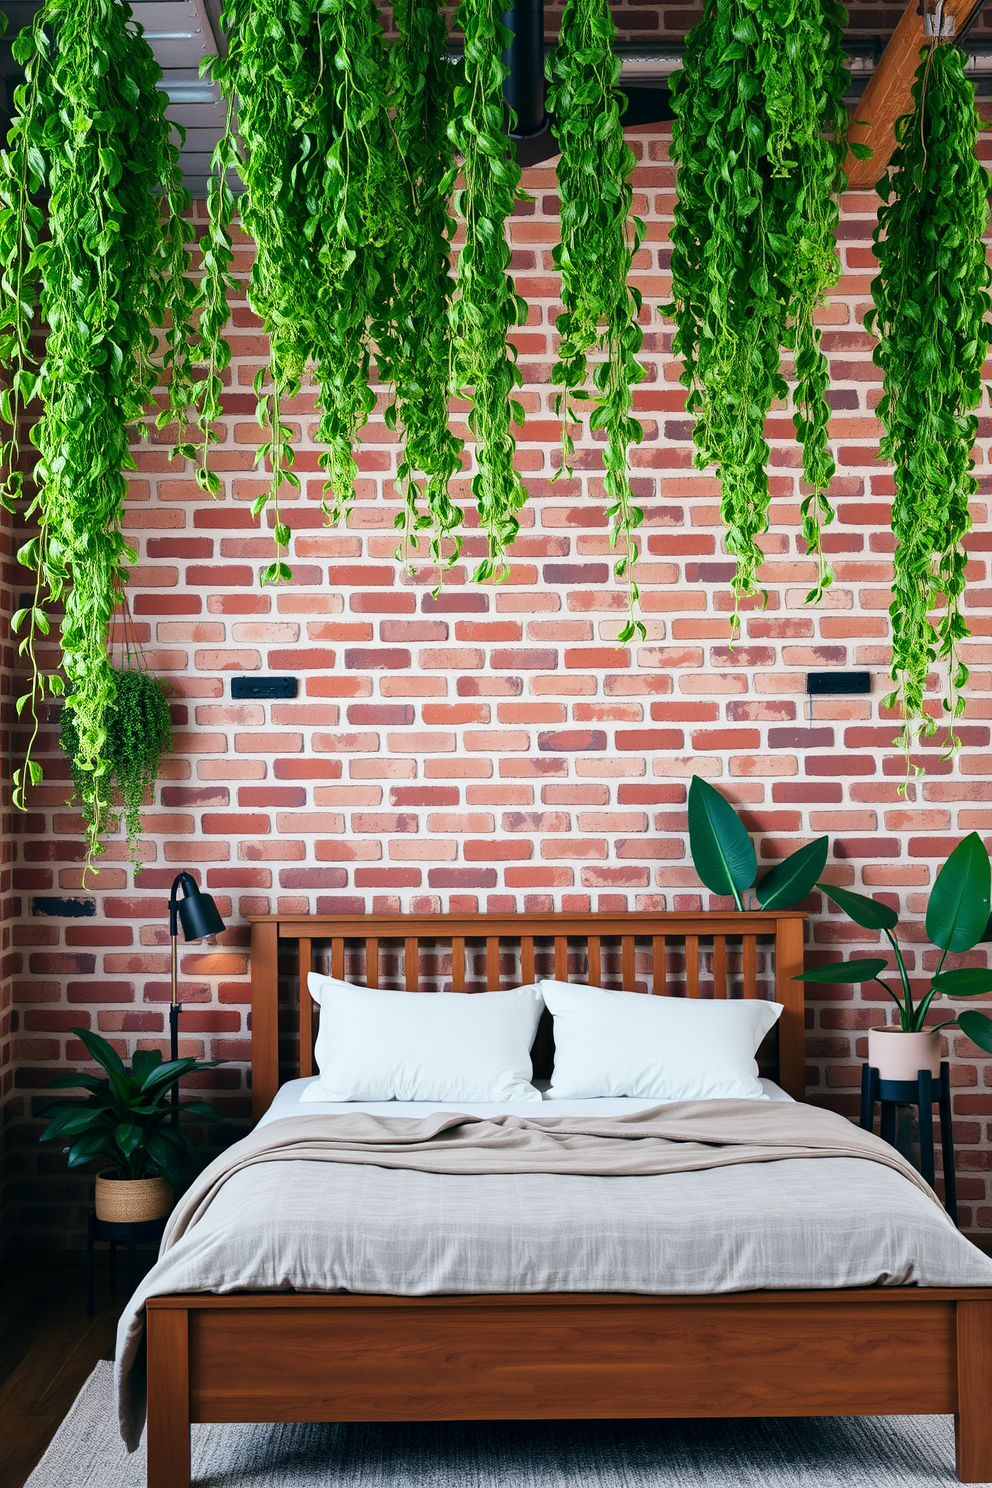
<point>138,731</point>
<point>90,130</point>
<point>758,137</point>
<point>127,1118</point>
<point>957,920</point>
<point>486,305</point>
<point>931,302</point>
<point>598,241</point>
<point>723,854</point>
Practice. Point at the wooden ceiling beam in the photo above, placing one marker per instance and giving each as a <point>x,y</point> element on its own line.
<point>889,92</point>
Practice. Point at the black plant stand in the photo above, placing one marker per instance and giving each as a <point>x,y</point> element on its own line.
<point>145,1232</point>
<point>922,1093</point>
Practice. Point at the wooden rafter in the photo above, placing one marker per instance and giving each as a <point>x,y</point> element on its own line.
<point>889,92</point>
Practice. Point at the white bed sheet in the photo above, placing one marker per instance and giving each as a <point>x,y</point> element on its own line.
<point>288,1098</point>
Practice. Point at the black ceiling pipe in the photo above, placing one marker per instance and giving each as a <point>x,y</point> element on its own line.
<point>524,89</point>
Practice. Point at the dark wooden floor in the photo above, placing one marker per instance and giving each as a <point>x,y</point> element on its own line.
<point>48,1348</point>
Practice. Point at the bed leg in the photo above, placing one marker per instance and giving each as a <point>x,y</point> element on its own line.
<point>168,1398</point>
<point>973,1422</point>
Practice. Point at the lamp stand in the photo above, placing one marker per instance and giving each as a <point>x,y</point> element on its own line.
<point>175,1007</point>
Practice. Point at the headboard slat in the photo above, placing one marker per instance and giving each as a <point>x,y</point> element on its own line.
<point>659,965</point>
<point>692,966</point>
<point>628,975</point>
<point>310,936</point>
<point>371,961</point>
<point>719,966</point>
<point>411,968</point>
<point>750,966</point>
<point>306,1008</point>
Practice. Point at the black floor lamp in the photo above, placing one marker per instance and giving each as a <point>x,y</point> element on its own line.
<point>199,916</point>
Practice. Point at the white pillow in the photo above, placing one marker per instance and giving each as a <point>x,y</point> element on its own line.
<point>375,1045</point>
<point>655,1048</point>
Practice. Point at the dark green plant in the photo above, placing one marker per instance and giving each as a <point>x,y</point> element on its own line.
<point>89,129</point>
<point>598,241</point>
<point>137,732</point>
<point>758,137</point>
<point>486,305</point>
<point>723,854</point>
<point>931,302</point>
<point>127,1118</point>
<point>957,919</point>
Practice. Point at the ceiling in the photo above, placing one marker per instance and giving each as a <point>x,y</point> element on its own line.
<point>180,33</point>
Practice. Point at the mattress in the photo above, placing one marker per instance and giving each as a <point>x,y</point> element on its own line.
<point>289,1102</point>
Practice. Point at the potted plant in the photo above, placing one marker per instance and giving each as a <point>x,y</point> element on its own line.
<point>127,1120</point>
<point>723,854</point>
<point>957,919</point>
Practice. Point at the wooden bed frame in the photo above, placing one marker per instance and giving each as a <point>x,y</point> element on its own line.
<point>287,1356</point>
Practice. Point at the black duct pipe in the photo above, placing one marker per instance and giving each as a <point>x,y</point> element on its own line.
<point>524,89</point>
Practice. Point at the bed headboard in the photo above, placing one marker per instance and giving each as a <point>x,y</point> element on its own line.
<point>703,954</point>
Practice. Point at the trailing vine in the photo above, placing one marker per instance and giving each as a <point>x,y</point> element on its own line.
<point>598,242</point>
<point>90,129</point>
<point>417,357</point>
<point>931,302</point>
<point>758,141</point>
<point>138,731</point>
<point>486,305</point>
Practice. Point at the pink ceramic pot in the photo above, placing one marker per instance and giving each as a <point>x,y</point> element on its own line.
<point>901,1056</point>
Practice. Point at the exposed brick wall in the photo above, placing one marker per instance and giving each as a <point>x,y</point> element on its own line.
<point>492,748</point>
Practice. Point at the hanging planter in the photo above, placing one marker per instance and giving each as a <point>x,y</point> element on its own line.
<point>598,241</point>
<point>138,731</point>
<point>931,302</point>
<point>90,130</point>
<point>758,137</point>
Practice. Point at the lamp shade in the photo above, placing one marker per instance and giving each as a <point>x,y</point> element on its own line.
<point>198,914</point>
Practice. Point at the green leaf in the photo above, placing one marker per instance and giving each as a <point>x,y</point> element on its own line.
<point>793,878</point>
<point>844,971</point>
<point>977,1027</point>
<point>722,852</point>
<point>966,981</point>
<point>129,1138</point>
<point>958,908</point>
<point>870,914</point>
<point>104,1054</point>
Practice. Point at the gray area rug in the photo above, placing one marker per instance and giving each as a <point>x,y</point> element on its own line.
<point>869,1452</point>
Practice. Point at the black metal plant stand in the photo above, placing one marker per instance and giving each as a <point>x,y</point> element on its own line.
<point>128,1234</point>
<point>922,1092</point>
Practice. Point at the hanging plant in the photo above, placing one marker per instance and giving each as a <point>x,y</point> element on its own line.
<point>931,302</point>
<point>416,356</point>
<point>138,731</point>
<point>758,141</point>
<point>486,305</point>
<point>598,242</point>
<point>90,130</point>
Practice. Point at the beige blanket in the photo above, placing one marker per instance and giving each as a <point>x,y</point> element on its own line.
<point>684,1136</point>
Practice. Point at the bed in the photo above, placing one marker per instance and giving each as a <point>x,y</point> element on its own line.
<point>361,1355</point>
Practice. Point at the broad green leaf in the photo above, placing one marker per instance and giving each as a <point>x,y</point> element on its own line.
<point>966,981</point>
<point>104,1054</point>
<point>129,1137</point>
<point>978,1028</point>
<point>870,914</point>
<point>844,971</point>
<point>793,878</point>
<point>958,909</point>
<point>722,852</point>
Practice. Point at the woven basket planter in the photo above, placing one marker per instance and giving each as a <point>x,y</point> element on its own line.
<point>131,1200</point>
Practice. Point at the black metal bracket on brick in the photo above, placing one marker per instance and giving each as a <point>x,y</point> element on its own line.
<point>820,684</point>
<point>264,687</point>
